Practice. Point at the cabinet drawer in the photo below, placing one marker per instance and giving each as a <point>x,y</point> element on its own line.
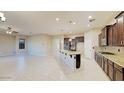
<point>118,67</point>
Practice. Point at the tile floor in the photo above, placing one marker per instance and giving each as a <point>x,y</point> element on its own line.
<point>37,68</point>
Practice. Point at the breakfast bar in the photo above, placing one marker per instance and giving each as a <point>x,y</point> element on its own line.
<point>71,58</point>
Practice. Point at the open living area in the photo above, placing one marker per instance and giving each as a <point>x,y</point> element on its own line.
<point>61,46</point>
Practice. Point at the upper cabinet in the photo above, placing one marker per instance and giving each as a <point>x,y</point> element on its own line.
<point>113,35</point>
<point>80,39</point>
<point>100,39</point>
<point>120,29</point>
<point>72,45</point>
<point>110,36</point>
<point>104,36</point>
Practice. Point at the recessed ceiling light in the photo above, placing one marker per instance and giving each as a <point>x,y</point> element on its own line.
<point>10,32</point>
<point>88,25</point>
<point>57,19</point>
<point>74,23</point>
<point>7,32</point>
<point>70,39</point>
<point>89,16</point>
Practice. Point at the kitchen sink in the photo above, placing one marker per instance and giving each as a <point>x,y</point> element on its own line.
<point>108,53</point>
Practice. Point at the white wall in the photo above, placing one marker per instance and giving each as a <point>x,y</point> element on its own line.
<point>80,47</point>
<point>90,41</point>
<point>57,44</point>
<point>7,44</point>
<point>39,45</point>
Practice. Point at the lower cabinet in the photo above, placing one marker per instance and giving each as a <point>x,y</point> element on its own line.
<point>105,67</point>
<point>114,71</point>
<point>118,73</point>
<point>99,59</point>
<point>111,70</point>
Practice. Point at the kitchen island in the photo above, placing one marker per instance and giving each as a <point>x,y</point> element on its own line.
<point>71,58</point>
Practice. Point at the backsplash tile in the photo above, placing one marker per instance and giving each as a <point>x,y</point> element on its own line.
<point>113,49</point>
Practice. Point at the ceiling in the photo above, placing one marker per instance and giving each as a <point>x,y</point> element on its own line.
<point>37,22</point>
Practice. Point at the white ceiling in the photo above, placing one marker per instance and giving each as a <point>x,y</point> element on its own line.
<point>37,22</point>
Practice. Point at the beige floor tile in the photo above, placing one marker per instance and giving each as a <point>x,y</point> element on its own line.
<point>47,68</point>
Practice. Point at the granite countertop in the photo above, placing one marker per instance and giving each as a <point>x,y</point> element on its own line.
<point>71,52</point>
<point>118,59</point>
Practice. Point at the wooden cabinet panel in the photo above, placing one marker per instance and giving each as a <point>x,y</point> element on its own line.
<point>114,35</point>
<point>118,75</point>
<point>80,39</point>
<point>110,31</point>
<point>120,29</point>
<point>114,71</point>
<point>111,70</point>
<point>100,39</point>
<point>104,39</point>
<point>118,67</point>
<point>105,68</point>
<point>104,33</point>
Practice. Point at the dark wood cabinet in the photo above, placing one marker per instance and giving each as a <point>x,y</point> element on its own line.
<point>110,38</point>
<point>105,67</point>
<point>118,73</point>
<point>100,39</point>
<point>114,35</point>
<point>114,71</point>
<point>120,29</point>
<point>111,70</point>
<point>80,39</point>
<point>104,36</point>
<point>118,76</point>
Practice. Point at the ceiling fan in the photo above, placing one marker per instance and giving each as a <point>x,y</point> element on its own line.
<point>10,31</point>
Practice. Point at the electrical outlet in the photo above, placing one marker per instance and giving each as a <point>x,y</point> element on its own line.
<point>118,50</point>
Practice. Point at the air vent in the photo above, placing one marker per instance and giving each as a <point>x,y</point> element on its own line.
<point>92,20</point>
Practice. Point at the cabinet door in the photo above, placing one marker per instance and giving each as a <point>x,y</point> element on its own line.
<point>100,61</point>
<point>114,35</point>
<point>105,65</point>
<point>100,39</point>
<point>120,29</point>
<point>104,33</point>
<point>110,70</point>
<point>118,75</point>
<point>110,36</point>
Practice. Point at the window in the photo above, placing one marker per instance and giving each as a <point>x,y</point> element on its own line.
<point>21,43</point>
